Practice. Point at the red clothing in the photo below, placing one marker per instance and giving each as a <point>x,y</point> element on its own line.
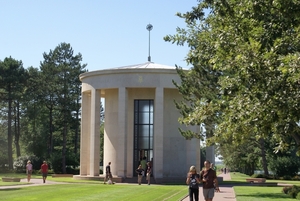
<point>44,168</point>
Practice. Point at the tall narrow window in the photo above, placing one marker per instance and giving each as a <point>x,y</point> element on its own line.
<point>143,131</point>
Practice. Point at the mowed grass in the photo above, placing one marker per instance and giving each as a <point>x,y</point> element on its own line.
<point>82,192</point>
<point>38,176</point>
<point>260,193</point>
<point>88,190</point>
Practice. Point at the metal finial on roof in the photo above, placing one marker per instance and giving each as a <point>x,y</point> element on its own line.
<point>149,27</point>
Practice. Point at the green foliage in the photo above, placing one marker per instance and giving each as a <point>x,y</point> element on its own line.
<point>21,162</point>
<point>286,189</point>
<point>285,166</point>
<point>72,162</point>
<point>243,86</point>
<point>298,196</point>
<point>293,192</point>
<point>101,142</point>
<point>13,78</point>
<point>287,177</point>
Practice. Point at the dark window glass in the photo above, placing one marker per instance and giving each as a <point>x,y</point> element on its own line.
<point>143,130</point>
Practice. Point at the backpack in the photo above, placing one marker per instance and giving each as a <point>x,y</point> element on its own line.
<point>193,182</point>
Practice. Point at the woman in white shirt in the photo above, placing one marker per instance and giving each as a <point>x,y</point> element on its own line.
<point>29,170</point>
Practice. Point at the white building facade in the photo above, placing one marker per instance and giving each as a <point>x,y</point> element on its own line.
<point>140,120</point>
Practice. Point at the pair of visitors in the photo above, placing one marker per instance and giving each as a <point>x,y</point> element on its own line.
<point>44,170</point>
<point>209,179</point>
<point>146,170</point>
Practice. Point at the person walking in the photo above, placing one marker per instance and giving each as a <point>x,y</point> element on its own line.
<point>140,172</point>
<point>144,164</point>
<point>210,183</point>
<point>149,170</point>
<point>193,180</point>
<point>29,170</point>
<point>44,170</point>
<point>108,175</point>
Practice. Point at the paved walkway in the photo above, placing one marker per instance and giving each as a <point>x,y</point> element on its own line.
<point>33,182</point>
<point>226,194</point>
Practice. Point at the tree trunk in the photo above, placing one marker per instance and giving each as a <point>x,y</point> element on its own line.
<point>50,140</point>
<point>9,135</point>
<point>17,129</point>
<point>263,156</point>
<point>64,147</point>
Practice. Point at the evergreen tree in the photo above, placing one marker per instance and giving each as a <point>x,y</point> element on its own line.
<point>61,69</point>
<point>12,83</point>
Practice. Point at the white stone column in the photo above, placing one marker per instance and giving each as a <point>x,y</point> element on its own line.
<point>158,133</point>
<point>95,133</point>
<point>122,135</point>
<point>85,133</point>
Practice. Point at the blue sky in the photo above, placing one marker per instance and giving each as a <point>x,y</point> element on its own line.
<point>108,33</point>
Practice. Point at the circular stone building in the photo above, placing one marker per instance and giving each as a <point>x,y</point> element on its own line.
<point>140,121</point>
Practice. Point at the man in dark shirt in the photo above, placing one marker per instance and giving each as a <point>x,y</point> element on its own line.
<point>210,183</point>
<point>108,175</point>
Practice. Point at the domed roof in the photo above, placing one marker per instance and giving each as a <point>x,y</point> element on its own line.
<point>147,65</point>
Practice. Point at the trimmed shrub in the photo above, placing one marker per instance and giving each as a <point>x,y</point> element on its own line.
<point>296,178</point>
<point>287,177</point>
<point>286,189</point>
<point>294,191</point>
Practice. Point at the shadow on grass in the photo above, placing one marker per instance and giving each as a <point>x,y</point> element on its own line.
<point>266,195</point>
<point>10,189</point>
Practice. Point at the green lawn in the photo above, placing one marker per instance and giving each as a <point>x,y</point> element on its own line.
<point>95,190</point>
<point>258,193</point>
<point>82,192</point>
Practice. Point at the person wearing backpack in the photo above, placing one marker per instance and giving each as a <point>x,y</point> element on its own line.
<point>193,180</point>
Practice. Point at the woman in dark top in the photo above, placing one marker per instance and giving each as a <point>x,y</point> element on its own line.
<point>140,172</point>
<point>193,180</point>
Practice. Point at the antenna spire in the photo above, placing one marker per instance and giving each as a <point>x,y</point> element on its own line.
<point>149,27</point>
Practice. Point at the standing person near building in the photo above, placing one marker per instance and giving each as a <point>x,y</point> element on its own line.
<point>44,170</point>
<point>144,164</point>
<point>140,172</point>
<point>148,172</point>
<point>210,183</point>
<point>193,180</point>
<point>108,175</point>
<point>29,170</point>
